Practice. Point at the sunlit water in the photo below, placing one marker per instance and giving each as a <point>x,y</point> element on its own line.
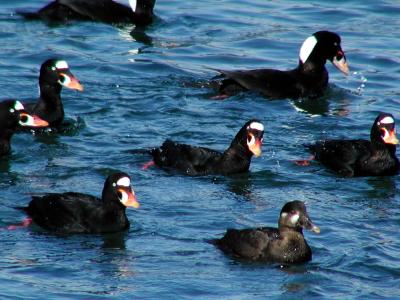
<point>143,88</point>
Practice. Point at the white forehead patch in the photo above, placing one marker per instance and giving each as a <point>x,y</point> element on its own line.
<point>256,125</point>
<point>133,4</point>
<point>124,181</point>
<point>61,64</point>
<point>307,48</point>
<point>18,105</point>
<point>387,120</point>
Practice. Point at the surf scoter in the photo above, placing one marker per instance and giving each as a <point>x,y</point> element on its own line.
<point>285,244</point>
<point>349,158</point>
<point>308,79</point>
<point>13,115</point>
<point>81,213</point>
<point>196,161</point>
<point>54,74</point>
<point>140,12</point>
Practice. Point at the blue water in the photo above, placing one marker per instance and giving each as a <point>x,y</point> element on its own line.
<point>143,88</point>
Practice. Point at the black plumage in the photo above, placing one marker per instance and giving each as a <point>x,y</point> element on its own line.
<point>196,161</point>
<point>106,11</point>
<point>72,212</point>
<point>285,244</point>
<point>54,74</point>
<point>349,158</point>
<point>309,79</point>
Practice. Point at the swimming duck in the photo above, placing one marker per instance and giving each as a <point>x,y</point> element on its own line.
<point>54,74</point>
<point>195,161</point>
<point>349,158</point>
<point>285,244</point>
<point>72,212</point>
<point>308,79</point>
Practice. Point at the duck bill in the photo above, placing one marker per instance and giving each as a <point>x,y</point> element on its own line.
<point>255,148</point>
<point>131,200</point>
<point>391,138</point>
<point>309,225</point>
<point>71,82</point>
<point>32,121</point>
<point>341,64</point>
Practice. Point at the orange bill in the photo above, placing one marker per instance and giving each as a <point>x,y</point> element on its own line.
<point>128,197</point>
<point>71,82</point>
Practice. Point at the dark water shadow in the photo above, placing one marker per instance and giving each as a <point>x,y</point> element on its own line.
<point>114,240</point>
<point>382,187</point>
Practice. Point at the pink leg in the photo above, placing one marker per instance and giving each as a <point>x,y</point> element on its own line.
<point>148,165</point>
<point>25,223</point>
<point>304,162</point>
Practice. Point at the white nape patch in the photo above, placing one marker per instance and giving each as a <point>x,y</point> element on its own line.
<point>61,64</point>
<point>284,215</point>
<point>257,126</point>
<point>124,181</point>
<point>18,106</point>
<point>133,4</point>
<point>307,48</point>
<point>294,218</point>
<point>387,120</point>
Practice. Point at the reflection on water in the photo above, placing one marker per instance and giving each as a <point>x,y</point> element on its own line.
<point>114,241</point>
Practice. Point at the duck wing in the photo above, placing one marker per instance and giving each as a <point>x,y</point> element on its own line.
<point>269,82</point>
<point>190,159</point>
<point>341,155</point>
<point>67,212</point>
<point>247,243</point>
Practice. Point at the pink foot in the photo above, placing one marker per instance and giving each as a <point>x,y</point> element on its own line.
<point>25,223</point>
<point>148,165</point>
<point>304,162</point>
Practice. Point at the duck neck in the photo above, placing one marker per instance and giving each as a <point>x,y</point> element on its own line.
<point>313,67</point>
<point>284,229</point>
<point>5,137</point>
<point>50,94</point>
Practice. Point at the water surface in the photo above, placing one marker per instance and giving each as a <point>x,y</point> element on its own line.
<point>144,87</point>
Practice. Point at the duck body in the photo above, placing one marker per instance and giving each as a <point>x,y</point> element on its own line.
<point>308,80</point>
<point>196,161</point>
<point>106,11</point>
<point>49,106</point>
<point>350,158</point>
<point>276,84</point>
<point>285,244</point>
<point>266,244</point>
<point>356,158</point>
<point>73,212</point>
<point>76,213</point>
